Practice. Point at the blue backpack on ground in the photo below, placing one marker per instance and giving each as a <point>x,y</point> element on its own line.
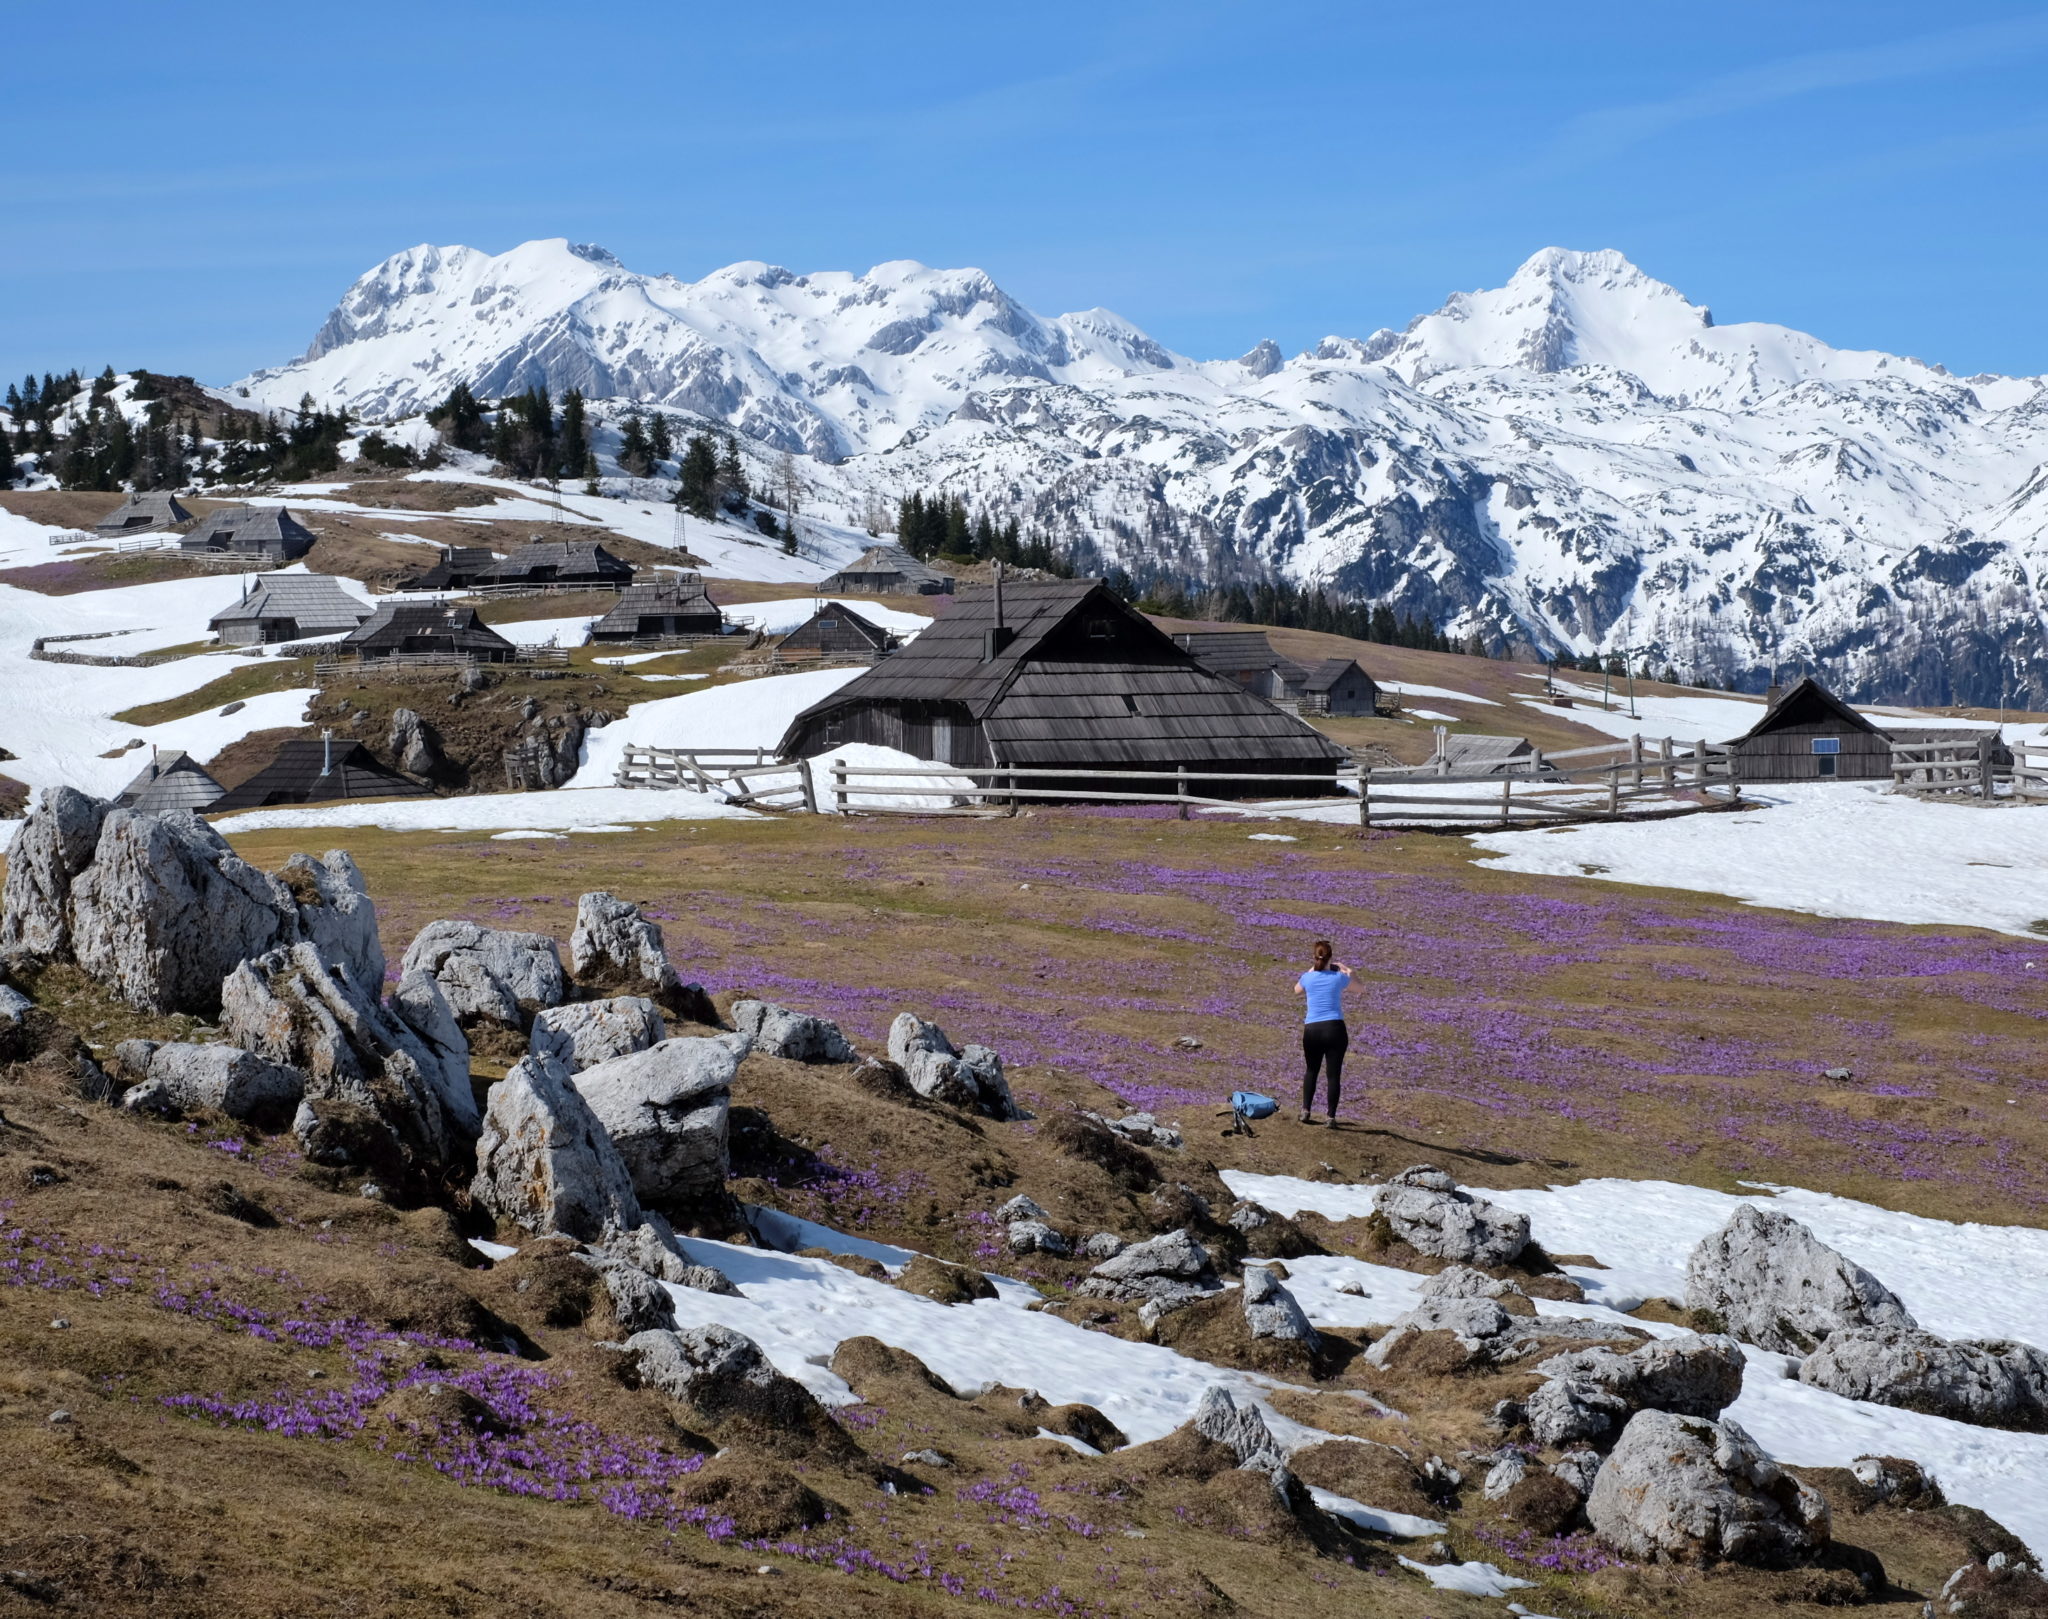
<point>1246,1106</point>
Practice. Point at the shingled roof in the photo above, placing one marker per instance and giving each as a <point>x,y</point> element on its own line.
<point>142,512</point>
<point>315,602</point>
<point>1046,697</point>
<point>415,626</point>
<point>892,568</point>
<point>556,561</point>
<point>172,780</point>
<point>313,771</point>
<point>271,530</point>
<point>670,596</point>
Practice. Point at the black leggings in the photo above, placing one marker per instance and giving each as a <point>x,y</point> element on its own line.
<point>1323,1044</point>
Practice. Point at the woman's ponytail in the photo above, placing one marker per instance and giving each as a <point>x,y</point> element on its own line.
<point>1323,953</point>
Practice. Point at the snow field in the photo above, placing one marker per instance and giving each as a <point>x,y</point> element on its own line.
<point>594,809</point>
<point>1958,1280</point>
<point>780,617</point>
<point>741,714</point>
<point>1849,849</point>
<point>1408,690</point>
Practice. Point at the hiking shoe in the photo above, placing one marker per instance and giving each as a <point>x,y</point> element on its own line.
<point>1307,1117</point>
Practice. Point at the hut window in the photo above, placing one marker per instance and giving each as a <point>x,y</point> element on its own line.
<point>1827,744</point>
<point>828,623</point>
<point>1101,629</point>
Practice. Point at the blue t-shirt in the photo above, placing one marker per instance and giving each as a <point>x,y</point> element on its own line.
<point>1325,992</point>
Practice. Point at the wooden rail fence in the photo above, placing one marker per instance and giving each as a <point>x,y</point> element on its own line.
<point>400,664</point>
<point>1552,791</point>
<point>1976,766</point>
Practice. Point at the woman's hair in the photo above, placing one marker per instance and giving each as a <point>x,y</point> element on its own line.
<point>1323,952</point>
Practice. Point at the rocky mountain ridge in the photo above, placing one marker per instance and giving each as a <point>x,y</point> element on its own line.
<point>1578,460</point>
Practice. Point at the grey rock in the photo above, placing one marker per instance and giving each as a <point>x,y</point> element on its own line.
<point>1036,1237</point>
<point>1692,1490</point>
<point>1895,1480</point>
<point>167,910</point>
<point>651,1246</point>
<point>1591,1393</point>
<point>1774,1284</point>
<point>1485,1332</point>
<point>666,1109</point>
<point>335,914</point>
<point>708,1365</point>
<point>1506,1472</point>
<point>1145,1130</point>
<point>1247,1217</point>
<point>1103,1245</point>
<point>1449,1224</point>
<point>418,1003</point>
<point>1994,1384</point>
<point>545,1163</point>
<point>614,947</point>
<point>291,1007</point>
<point>1173,1266</point>
<point>1162,1299</point>
<point>490,975</point>
<point>779,1032</point>
<point>412,743</point>
<point>1270,1311</point>
<point>545,753</point>
<point>1463,1282</point>
<point>585,1033</point>
<point>1579,1468</point>
<point>970,1077</point>
<point>1998,1587</point>
<point>179,1078</point>
<point>1021,1207</point>
<point>634,1300</point>
<point>14,1006</point>
<point>1242,1431</point>
<point>926,1458</point>
<point>54,845</point>
<point>1426,1176</point>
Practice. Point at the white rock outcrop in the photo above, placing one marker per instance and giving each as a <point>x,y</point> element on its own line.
<point>543,1162</point>
<point>1693,1490</point>
<point>583,1034</point>
<point>666,1109</point>
<point>613,946</point>
<point>1427,1211</point>
<point>1270,1311</point>
<point>179,1078</point>
<point>1774,1284</point>
<point>777,1031</point>
<point>967,1076</point>
<point>1993,1384</point>
<point>490,975</point>
<point>54,845</point>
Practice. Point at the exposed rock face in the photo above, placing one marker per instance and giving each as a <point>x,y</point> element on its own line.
<point>1482,1330</point>
<point>1775,1285</point>
<point>723,1376</point>
<point>1103,1245</point>
<point>1143,1129</point>
<point>418,1003</point>
<point>412,744</point>
<point>1691,1490</point>
<point>488,975</point>
<point>586,1033</point>
<point>178,1078</point>
<point>1429,1213</point>
<point>167,910</point>
<point>1463,1282</point>
<point>1896,1481</point>
<point>666,1110</point>
<point>1036,1237</point>
<point>335,914</point>
<point>54,845</point>
<point>614,947</point>
<point>545,1163</point>
<point>1022,1207</point>
<point>2000,1587</point>
<point>1271,1311</point>
<point>547,752</point>
<point>1242,1431</point>
<point>289,1006</point>
<point>1170,1269</point>
<point>1995,1384</point>
<point>1592,1393</point>
<point>634,1301</point>
<point>779,1032</point>
<point>971,1076</point>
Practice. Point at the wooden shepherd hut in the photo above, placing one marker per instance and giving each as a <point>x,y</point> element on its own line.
<point>1062,675</point>
<point>888,570</point>
<point>458,569</point>
<point>288,607</point>
<point>316,771</point>
<point>270,532</point>
<point>143,512</point>
<point>836,631</point>
<point>670,605</point>
<point>415,629</point>
<point>172,780</point>
<point>582,563</point>
<point>1249,658</point>
<point>1809,734</point>
<point>1339,686</point>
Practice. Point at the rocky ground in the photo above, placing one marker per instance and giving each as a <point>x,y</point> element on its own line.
<point>255,1108</point>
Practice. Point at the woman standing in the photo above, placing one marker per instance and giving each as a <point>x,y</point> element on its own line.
<point>1324,1039</point>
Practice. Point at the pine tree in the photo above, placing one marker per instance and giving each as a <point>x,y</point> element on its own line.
<point>697,487</point>
<point>7,454</point>
<point>634,457</point>
<point>572,447</point>
<point>659,444</point>
<point>460,419</point>
<point>732,477</point>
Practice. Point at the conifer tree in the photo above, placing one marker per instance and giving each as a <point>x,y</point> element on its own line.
<point>6,457</point>
<point>634,457</point>
<point>697,490</point>
<point>732,477</point>
<point>572,446</point>
<point>460,419</point>
<point>659,444</point>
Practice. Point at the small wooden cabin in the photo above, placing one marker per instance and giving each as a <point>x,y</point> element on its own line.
<point>888,570</point>
<point>317,771</point>
<point>671,605</point>
<point>1249,658</point>
<point>267,531</point>
<point>582,563</point>
<point>1809,734</point>
<point>1339,686</point>
<point>172,780</point>
<point>1062,675</point>
<point>143,512</point>
<point>458,569</point>
<point>413,629</point>
<point>836,631</point>
<point>288,607</point>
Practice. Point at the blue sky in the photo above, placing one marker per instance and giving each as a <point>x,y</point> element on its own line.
<point>191,187</point>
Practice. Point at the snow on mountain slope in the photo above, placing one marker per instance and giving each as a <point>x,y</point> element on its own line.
<point>1580,459</point>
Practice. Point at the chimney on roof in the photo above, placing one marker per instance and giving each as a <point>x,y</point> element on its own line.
<point>1772,695</point>
<point>326,752</point>
<point>995,639</point>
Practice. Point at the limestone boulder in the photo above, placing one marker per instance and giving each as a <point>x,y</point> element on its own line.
<point>1428,1212</point>
<point>1590,1394</point>
<point>1680,1489</point>
<point>652,1247</point>
<point>1036,1237</point>
<point>968,1076</point>
<point>614,947</point>
<point>412,743</point>
<point>728,1382</point>
<point>544,1162</point>
<point>1169,1269</point>
<point>54,845</point>
<point>166,910</point>
<point>2000,1587</point>
<point>1240,1429</point>
<point>335,913</point>
<point>633,1300</point>
<point>778,1031</point>
<point>490,975</point>
<point>1483,1332</point>
<point>1774,1284</point>
<point>1994,1384</point>
<point>666,1109</point>
<point>418,1003</point>
<point>181,1078</point>
<point>583,1034</point>
<point>1270,1311</point>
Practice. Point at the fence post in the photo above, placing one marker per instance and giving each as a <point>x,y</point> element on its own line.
<point>803,772</point>
<point>1699,773</point>
<point>1180,789</point>
<point>1010,776</point>
<point>1670,769</point>
<point>839,786</point>
<point>1984,765</point>
<point>1614,789</point>
<point>1507,800</point>
<point>1443,751</point>
<point>1635,758</point>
